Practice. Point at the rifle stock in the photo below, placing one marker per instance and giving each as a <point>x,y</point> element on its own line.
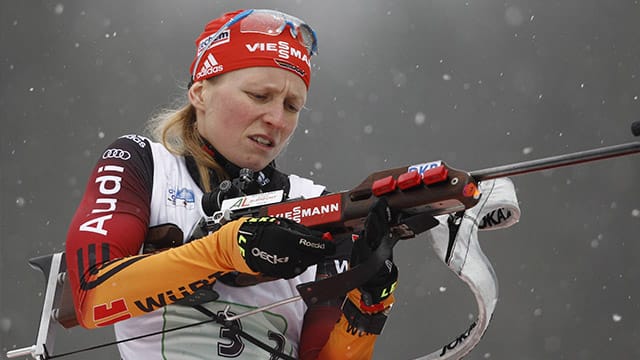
<point>345,211</point>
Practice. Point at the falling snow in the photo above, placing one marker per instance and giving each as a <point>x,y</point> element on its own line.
<point>595,243</point>
<point>522,46</point>
<point>513,16</point>
<point>5,325</point>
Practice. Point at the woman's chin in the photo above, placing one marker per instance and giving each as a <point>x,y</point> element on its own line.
<point>254,164</point>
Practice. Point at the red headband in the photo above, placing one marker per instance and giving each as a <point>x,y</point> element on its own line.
<point>232,50</point>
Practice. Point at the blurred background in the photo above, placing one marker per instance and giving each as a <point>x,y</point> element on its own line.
<point>474,83</point>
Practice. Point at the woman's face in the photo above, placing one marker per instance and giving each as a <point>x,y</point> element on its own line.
<point>249,114</point>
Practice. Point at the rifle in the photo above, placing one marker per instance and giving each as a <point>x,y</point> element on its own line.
<point>416,193</point>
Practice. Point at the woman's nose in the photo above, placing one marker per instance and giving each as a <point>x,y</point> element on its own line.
<point>275,116</point>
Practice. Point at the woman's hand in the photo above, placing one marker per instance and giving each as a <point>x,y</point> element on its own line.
<point>281,248</point>
<point>376,227</point>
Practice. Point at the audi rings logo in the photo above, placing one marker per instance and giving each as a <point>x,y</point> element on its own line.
<point>116,154</point>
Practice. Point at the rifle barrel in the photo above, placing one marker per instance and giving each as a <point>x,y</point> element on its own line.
<point>557,161</point>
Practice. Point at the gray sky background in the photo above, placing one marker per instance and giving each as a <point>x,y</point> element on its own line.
<point>474,83</point>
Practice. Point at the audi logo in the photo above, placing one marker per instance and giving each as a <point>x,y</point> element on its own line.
<point>116,154</point>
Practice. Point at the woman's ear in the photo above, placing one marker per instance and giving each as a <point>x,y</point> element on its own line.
<point>196,95</point>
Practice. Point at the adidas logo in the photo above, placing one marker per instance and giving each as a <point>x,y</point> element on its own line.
<point>209,67</point>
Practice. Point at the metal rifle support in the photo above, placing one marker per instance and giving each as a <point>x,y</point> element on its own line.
<point>54,268</point>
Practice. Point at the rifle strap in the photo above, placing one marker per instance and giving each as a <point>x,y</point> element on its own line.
<point>456,243</point>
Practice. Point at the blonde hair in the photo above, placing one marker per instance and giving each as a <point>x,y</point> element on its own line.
<point>176,129</point>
